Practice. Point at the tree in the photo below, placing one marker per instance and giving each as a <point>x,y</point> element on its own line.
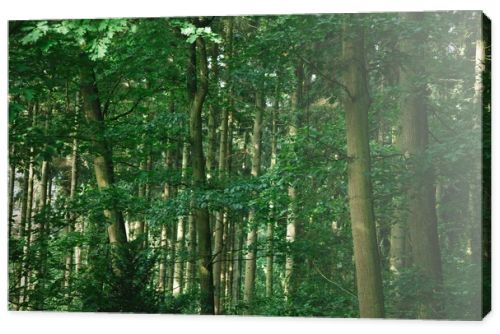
<point>368,273</point>
<point>422,219</point>
<point>197,92</point>
<point>173,166</point>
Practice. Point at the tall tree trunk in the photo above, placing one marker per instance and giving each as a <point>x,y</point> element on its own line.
<point>12,178</point>
<point>238,240</point>
<point>179,264</point>
<point>43,228</point>
<point>103,164</point>
<point>237,262</point>
<point>79,225</point>
<point>256,151</point>
<point>27,266</point>
<point>73,176</point>
<point>293,226</point>
<point>191,246</point>
<point>475,195</point>
<point>197,93</point>
<point>356,104</point>
<point>171,245</point>
<point>25,224</point>
<point>22,235</point>
<point>270,224</point>
<point>162,282</point>
<point>72,218</point>
<point>420,192</point>
<point>167,194</point>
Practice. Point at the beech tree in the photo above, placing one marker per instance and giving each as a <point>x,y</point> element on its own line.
<point>292,165</point>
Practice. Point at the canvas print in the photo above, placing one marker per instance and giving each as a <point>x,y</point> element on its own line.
<point>329,165</point>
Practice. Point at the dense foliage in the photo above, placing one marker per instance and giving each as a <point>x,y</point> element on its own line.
<point>106,201</point>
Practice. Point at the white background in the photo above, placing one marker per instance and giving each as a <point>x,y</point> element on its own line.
<point>69,323</point>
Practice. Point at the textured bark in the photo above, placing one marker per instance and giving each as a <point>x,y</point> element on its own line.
<point>43,227</point>
<point>79,225</point>
<point>28,235</point>
<point>197,92</point>
<point>420,191</point>
<point>219,224</point>
<point>270,225</point>
<point>256,152</point>
<point>238,239</point>
<point>162,283</point>
<point>12,177</point>
<point>218,258</point>
<point>237,265</point>
<point>179,263</point>
<point>139,229</point>
<point>15,266</point>
<point>103,164</point>
<point>166,195</point>
<point>68,266</point>
<point>293,225</point>
<point>213,113</point>
<point>191,246</point>
<point>171,245</point>
<point>25,219</point>
<point>368,272</point>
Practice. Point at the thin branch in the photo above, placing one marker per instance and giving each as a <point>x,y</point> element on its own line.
<point>111,93</point>
<point>334,283</point>
<point>325,76</point>
<point>131,110</point>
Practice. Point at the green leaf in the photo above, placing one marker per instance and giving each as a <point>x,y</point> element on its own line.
<point>191,39</point>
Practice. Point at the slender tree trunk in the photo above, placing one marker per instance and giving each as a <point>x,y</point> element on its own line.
<point>43,227</point>
<point>12,178</point>
<point>270,225</point>
<point>25,223</point>
<point>72,218</point>
<point>197,93</point>
<point>103,167</point>
<point>219,224</point>
<point>179,264</point>
<point>237,262</point>
<point>171,240</point>
<point>22,236</point>
<point>356,104</point>
<point>191,245</point>
<point>28,231</point>
<point>293,227</point>
<point>68,262</point>
<point>238,232</point>
<point>218,258</point>
<point>256,151</point>
<point>167,194</point>
<point>163,260</point>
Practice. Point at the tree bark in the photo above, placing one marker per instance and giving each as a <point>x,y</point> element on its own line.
<point>72,218</point>
<point>270,225</point>
<point>179,263</point>
<point>41,207</point>
<point>294,227</point>
<point>256,151</point>
<point>25,219</point>
<point>103,164</point>
<point>420,191</point>
<point>356,104</point>
<point>12,178</point>
<point>197,93</point>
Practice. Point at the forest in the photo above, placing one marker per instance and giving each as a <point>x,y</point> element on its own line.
<point>329,165</point>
